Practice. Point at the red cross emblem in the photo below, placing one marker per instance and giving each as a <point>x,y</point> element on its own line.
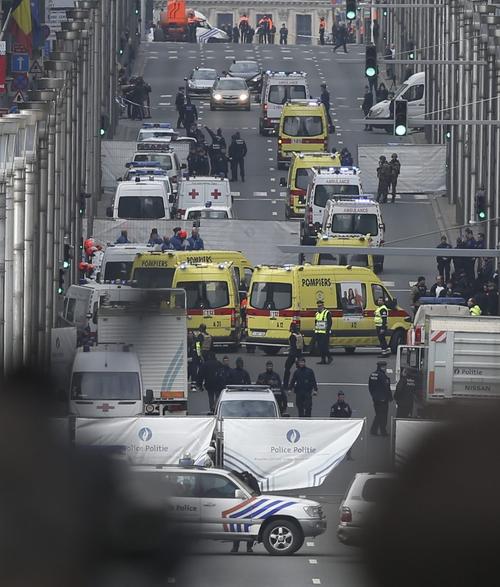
<point>216,193</point>
<point>105,407</point>
<point>193,193</point>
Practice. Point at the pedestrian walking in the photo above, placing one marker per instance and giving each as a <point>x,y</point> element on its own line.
<point>322,30</point>
<point>325,100</point>
<point>444,263</point>
<point>379,386</point>
<point>295,350</point>
<point>322,329</point>
<point>180,99</point>
<point>341,38</point>
<point>283,35</point>
<point>384,175</point>
<point>211,377</point>
<point>304,385</point>
<point>405,394</point>
<point>395,165</point>
<point>237,154</point>
<point>380,317</point>
<point>239,375</point>
<point>367,104</point>
<point>341,409</point>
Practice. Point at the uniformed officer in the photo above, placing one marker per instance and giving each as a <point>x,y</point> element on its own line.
<point>474,309</point>
<point>325,100</point>
<point>190,115</point>
<point>379,386</point>
<point>204,342</point>
<point>322,328</point>
<point>405,393</point>
<point>380,320</point>
<point>295,350</point>
<point>341,409</point>
<point>237,153</point>
<point>304,385</point>
<point>273,380</point>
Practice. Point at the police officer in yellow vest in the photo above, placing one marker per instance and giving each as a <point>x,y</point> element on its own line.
<point>380,320</point>
<point>474,309</point>
<point>322,328</point>
<point>204,342</point>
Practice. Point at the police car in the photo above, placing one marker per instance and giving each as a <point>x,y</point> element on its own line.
<point>216,504</point>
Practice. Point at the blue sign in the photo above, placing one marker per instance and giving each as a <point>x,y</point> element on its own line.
<point>20,82</point>
<point>19,63</point>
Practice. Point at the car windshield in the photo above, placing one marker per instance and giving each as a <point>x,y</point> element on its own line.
<point>204,74</point>
<point>303,126</point>
<point>213,214</point>
<point>355,224</point>
<point>323,193</point>
<point>247,409</point>
<point>141,207</point>
<point>231,84</point>
<point>105,386</point>
<point>205,294</point>
<point>117,270</point>
<point>153,277</point>
<point>271,296</point>
<point>243,67</point>
<point>356,260</point>
<point>164,160</point>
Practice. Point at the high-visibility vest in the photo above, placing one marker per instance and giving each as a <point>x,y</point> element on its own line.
<point>475,311</point>
<point>321,321</point>
<point>378,318</point>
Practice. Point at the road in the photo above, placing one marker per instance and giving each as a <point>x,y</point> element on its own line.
<point>164,65</point>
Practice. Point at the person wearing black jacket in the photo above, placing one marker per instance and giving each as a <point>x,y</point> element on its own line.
<point>211,376</point>
<point>237,152</point>
<point>367,104</point>
<point>239,376</point>
<point>295,350</point>
<point>444,263</point>
<point>179,106</point>
<point>341,409</point>
<point>406,390</point>
<point>252,482</point>
<point>304,385</point>
<point>379,386</point>
<point>273,380</point>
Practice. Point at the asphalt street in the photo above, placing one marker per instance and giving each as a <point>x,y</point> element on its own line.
<point>164,65</point>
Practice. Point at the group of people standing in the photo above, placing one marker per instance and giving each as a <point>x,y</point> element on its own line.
<point>135,96</point>
<point>388,173</point>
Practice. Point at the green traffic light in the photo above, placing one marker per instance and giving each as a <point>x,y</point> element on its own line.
<point>350,15</point>
<point>66,264</point>
<point>412,55</point>
<point>370,72</point>
<point>482,215</point>
<point>103,132</point>
<point>400,130</point>
<point>448,135</point>
<point>60,290</point>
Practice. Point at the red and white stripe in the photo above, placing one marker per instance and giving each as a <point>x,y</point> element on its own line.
<point>438,336</point>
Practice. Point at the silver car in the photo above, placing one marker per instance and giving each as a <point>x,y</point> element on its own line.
<point>230,93</point>
<point>200,81</point>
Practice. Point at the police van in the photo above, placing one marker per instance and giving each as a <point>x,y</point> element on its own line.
<point>141,199</point>
<point>328,183</point>
<point>216,504</point>
<point>198,191</point>
<point>156,150</point>
<point>278,88</point>
<point>280,296</point>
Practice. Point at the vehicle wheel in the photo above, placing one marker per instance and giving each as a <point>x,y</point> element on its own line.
<point>282,537</point>
<point>398,338</point>
<point>271,350</point>
<point>350,350</point>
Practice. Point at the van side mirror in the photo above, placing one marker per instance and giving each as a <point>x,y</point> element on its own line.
<point>382,226</point>
<point>109,212</point>
<point>148,398</point>
<point>283,182</point>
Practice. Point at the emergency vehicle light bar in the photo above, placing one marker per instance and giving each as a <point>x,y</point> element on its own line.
<point>156,125</point>
<point>159,147</point>
<point>151,172</point>
<point>140,164</point>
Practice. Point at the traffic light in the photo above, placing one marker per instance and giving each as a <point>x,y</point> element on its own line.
<point>137,7</point>
<point>481,205</point>
<point>400,117</point>
<point>384,11</point>
<point>447,133</point>
<point>104,125</point>
<point>350,9</point>
<point>411,50</point>
<point>68,256</point>
<point>60,289</point>
<point>371,68</point>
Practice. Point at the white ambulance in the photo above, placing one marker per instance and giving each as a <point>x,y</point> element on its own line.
<point>278,88</point>
<point>198,191</point>
<point>327,183</point>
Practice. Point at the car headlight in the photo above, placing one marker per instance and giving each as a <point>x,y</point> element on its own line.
<point>190,84</point>
<point>314,511</point>
<point>244,97</point>
<point>217,97</point>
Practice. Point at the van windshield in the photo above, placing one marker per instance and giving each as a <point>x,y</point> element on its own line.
<point>355,224</point>
<point>105,386</point>
<point>279,94</point>
<point>271,296</point>
<point>205,294</point>
<point>323,193</point>
<point>117,270</point>
<point>303,126</point>
<point>153,277</point>
<point>164,160</point>
<point>141,207</point>
<point>302,179</point>
<point>247,409</point>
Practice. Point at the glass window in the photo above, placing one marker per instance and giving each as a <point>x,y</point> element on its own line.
<point>231,84</point>
<point>380,292</point>
<point>414,93</point>
<point>302,179</point>
<point>204,74</point>
<point>117,270</point>
<point>153,277</point>
<point>323,193</point>
<point>329,259</point>
<point>164,160</point>
<point>182,484</point>
<point>141,207</point>
<point>376,489</point>
<point>205,294</point>
<point>248,409</point>
<point>105,386</point>
<point>296,92</point>
<point>352,296</point>
<point>217,486</point>
<point>303,126</point>
<point>355,224</point>
<point>271,296</point>
<point>248,277</point>
<point>277,94</point>
<point>70,310</point>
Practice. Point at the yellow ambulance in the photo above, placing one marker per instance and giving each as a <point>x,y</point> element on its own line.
<point>303,127</point>
<point>299,176</point>
<point>280,296</point>
<point>332,258</point>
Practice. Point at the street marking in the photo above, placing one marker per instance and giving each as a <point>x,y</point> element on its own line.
<point>302,496</point>
<point>340,142</point>
<point>360,99</point>
<point>316,581</point>
<point>170,57</point>
<point>313,561</point>
<point>235,194</point>
<point>272,178</point>
<point>165,95</point>
<point>340,98</point>
<point>271,149</point>
<point>287,57</point>
<point>275,213</point>
<point>272,190</point>
<point>390,370</point>
<point>389,283</point>
<point>153,57</point>
<point>421,196</point>
<point>260,194</point>
<point>273,202</point>
<point>289,404</point>
<point>310,544</point>
<point>272,169</point>
<point>271,158</point>
<point>269,140</point>
<point>163,103</point>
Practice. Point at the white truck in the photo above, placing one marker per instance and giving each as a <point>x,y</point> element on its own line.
<point>457,360</point>
<point>152,327</point>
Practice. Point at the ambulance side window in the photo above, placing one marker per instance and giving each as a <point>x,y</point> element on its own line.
<point>352,297</point>
<point>380,292</point>
<point>248,277</point>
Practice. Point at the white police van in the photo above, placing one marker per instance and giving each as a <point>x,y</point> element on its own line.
<point>216,504</point>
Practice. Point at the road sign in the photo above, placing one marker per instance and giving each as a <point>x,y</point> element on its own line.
<point>36,68</point>
<point>19,63</point>
<point>19,98</point>
<point>20,82</point>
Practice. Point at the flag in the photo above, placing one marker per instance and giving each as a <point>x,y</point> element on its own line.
<point>20,23</point>
<point>36,25</point>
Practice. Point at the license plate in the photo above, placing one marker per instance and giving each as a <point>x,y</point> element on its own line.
<point>257,333</point>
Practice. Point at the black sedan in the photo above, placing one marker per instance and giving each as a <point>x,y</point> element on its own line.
<point>249,71</point>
